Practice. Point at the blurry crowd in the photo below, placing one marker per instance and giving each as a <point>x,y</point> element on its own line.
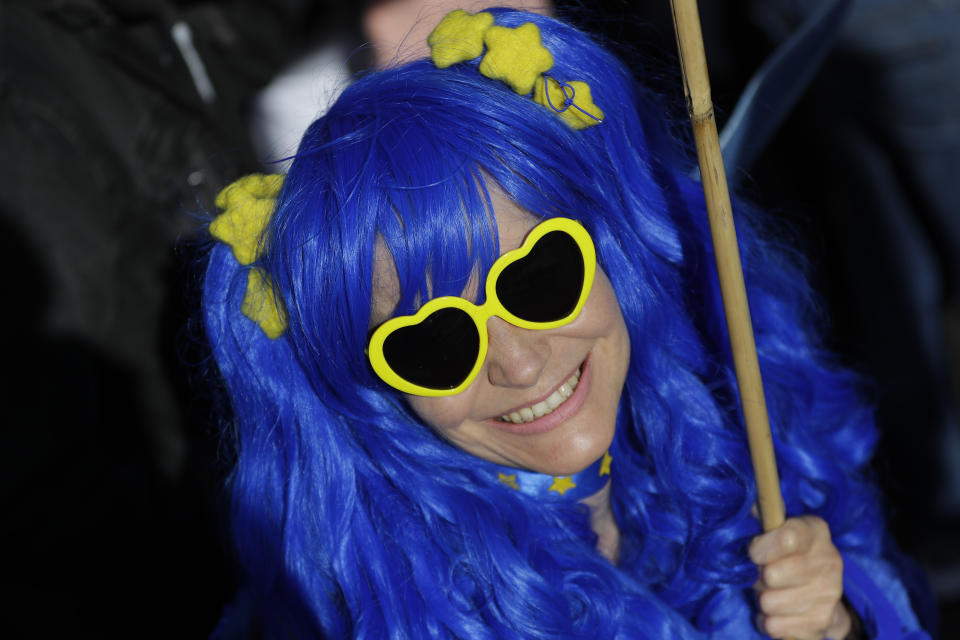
<point>121,119</point>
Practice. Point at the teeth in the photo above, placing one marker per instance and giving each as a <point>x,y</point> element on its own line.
<point>555,400</point>
<point>542,408</point>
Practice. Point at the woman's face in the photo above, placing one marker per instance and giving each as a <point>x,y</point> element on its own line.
<point>526,367</point>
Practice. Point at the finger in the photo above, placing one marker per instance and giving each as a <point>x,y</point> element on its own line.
<point>842,623</point>
<point>793,536</point>
<point>760,585</point>
<point>825,570</point>
<point>798,600</point>
<point>789,572</point>
<point>800,627</point>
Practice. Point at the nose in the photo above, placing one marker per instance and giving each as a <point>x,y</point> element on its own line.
<point>515,357</point>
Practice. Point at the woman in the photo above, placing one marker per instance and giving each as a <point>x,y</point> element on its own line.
<point>480,381</point>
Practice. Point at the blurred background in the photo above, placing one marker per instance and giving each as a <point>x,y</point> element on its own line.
<point>121,119</point>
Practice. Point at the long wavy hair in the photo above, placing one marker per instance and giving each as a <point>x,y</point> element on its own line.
<point>352,518</point>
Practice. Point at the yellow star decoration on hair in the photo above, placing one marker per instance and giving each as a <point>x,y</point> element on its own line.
<point>515,56</point>
<point>575,118</point>
<point>458,37</point>
<point>247,206</point>
<point>508,479</point>
<point>562,484</point>
<point>260,304</point>
<point>605,464</point>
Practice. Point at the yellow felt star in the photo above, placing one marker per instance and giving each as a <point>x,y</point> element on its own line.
<point>458,37</point>
<point>562,484</point>
<point>260,304</point>
<point>515,56</point>
<point>605,464</point>
<point>578,91</point>
<point>247,205</point>
<point>508,479</point>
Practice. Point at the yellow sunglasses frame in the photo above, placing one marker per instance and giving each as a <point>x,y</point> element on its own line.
<point>492,306</point>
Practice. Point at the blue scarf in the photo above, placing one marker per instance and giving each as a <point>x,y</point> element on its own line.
<point>574,487</point>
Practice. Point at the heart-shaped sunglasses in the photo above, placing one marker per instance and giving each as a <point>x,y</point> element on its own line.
<point>439,350</point>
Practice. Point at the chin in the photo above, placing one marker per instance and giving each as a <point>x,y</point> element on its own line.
<point>579,450</point>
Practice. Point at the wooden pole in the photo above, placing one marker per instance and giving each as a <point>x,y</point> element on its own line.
<point>696,85</point>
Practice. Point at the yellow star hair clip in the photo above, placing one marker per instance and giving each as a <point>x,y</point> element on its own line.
<point>515,56</point>
<point>458,37</point>
<point>260,304</point>
<point>247,205</point>
<point>571,100</point>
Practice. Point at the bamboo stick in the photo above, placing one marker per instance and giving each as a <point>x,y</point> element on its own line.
<point>696,84</point>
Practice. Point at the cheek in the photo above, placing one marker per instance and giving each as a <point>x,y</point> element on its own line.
<point>605,322</point>
<point>601,316</point>
<point>443,414</point>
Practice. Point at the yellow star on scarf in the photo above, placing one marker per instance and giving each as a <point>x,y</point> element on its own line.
<point>575,118</point>
<point>247,205</point>
<point>605,464</point>
<point>562,484</point>
<point>515,56</point>
<point>260,304</point>
<point>508,479</point>
<point>458,37</point>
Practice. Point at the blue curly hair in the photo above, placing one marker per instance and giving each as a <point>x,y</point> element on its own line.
<point>352,519</point>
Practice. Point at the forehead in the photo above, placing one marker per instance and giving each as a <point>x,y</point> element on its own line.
<point>513,224</point>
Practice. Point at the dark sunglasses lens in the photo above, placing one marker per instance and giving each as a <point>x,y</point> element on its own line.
<point>544,285</point>
<point>437,353</point>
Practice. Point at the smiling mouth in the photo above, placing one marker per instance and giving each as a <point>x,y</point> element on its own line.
<point>546,406</point>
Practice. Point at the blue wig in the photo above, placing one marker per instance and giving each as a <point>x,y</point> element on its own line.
<point>353,519</point>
